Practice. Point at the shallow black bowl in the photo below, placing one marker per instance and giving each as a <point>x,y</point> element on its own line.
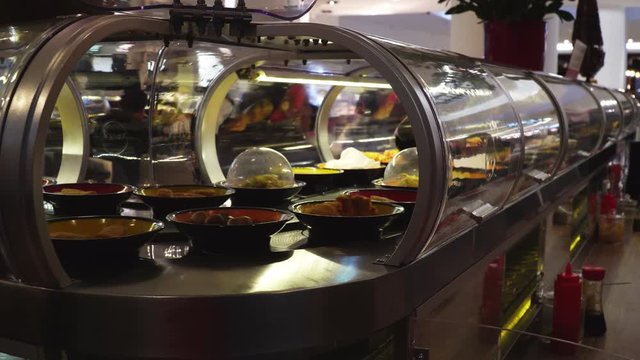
<point>334,229</point>
<point>232,238</point>
<point>380,183</point>
<point>162,205</point>
<point>105,200</point>
<point>352,177</point>
<point>82,252</point>
<point>318,180</point>
<point>264,196</point>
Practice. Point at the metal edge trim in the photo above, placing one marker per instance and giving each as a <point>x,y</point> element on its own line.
<point>35,97</point>
<point>564,125</point>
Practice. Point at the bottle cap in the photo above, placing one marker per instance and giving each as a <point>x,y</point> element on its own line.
<point>568,277</point>
<point>593,273</point>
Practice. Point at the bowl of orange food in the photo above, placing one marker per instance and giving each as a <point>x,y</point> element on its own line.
<point>169,198</point>
<point>349,216</point>
<point>86,198</point>
<point>100,243</point>
<point>220,230</point>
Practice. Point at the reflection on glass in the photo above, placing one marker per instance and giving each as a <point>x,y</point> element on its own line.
<point>541,127</point>
<point>113,79</point>
<point>584,118</point>
<point>627,109</point>
<point>612,112</point>
<point>53,146</point>
<point>480,127</point>
<point>365,119</point>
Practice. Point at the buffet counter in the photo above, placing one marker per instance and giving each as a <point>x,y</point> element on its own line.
<point>183,181</point>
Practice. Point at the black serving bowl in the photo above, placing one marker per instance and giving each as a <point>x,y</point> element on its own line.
<point>335,228</point>
<point>86,198</point>
<point>100,244</point>
<point>162,204</point>
<point>263,196</point>
<point>355,177</point>
<point>215,238</point>
<point>318,180</point>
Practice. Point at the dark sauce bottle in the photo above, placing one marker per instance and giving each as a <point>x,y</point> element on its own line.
<point>594,322</point>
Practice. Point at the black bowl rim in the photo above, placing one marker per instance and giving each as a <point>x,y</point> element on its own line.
<point>346,170</point>
<point>380,182</point>
<point>171,217</point>
<point>127,189</point>
<point>137,190</point>
<point>349,191</point>
<point>160,225</point>
<point>397,210</point>
<point>297,184</point>
<point>338,171</point>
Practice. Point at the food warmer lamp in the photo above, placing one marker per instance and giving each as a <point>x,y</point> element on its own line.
<point>494,144</point>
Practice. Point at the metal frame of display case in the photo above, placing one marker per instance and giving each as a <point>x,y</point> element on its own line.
<point>622,129</point>
<point>209,309</point>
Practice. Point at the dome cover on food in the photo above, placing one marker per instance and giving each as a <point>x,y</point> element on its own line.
<point>260,168</point>
<point>402,171</point>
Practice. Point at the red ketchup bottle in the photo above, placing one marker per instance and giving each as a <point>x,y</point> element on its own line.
<point>567,314</point>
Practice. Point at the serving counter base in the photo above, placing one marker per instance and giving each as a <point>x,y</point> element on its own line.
<point>293,302</point>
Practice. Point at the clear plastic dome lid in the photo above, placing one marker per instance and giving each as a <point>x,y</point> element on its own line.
<point>402,171</point>
<point>278,9</point>
<point>260,168</point>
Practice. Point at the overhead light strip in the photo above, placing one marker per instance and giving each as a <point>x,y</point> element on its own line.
<point>310,79</point>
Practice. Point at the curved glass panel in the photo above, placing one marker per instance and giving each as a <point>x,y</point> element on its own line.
<point>17,44</point>
<point>365,119</point>
<point>114,80</point>
<point>282,111</point>
<point>636,110</point>
<point>182,81</point>
<point>627,109</point>
<point>480,127</point>
<point>585,120</point>
<point>279,9</point>
<point>612,111</point>
<point>540,122</point>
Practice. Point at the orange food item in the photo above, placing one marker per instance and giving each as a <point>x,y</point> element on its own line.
<point>345,205</point>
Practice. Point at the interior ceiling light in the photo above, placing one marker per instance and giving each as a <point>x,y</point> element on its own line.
<point>311,79</point>
<point>332,2</point>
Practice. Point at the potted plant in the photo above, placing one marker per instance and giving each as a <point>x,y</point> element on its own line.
<point>514,29</point>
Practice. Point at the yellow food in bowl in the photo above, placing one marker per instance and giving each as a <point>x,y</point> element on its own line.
<point>384,157</point>
<point>99,228</point>
<point>183,192</point>
<point>68,191</point>
<point>314,171</point>
<point>403,180</point>
<point>265,181</point>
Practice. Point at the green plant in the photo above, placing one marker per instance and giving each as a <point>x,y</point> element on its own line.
<point>510,10</point>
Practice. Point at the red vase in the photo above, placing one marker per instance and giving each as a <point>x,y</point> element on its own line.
<point>517,44</point>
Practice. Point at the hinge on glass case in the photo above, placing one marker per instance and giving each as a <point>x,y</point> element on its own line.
<point>217,16</point>
<point>478,210</point>
<point>537,175</point>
